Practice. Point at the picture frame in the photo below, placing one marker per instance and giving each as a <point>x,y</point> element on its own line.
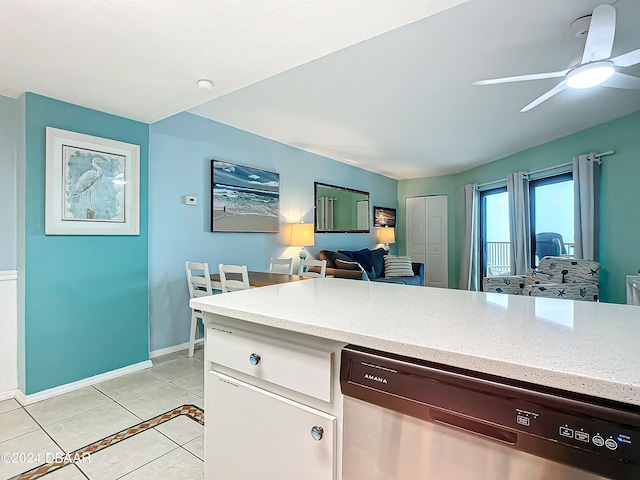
<point>384,217</point>
<point>244,199</point>
<point>92,185</point>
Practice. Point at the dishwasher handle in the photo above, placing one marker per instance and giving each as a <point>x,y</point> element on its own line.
<point>474,427</point>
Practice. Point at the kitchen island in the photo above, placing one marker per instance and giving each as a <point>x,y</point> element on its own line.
<point>582,347</point>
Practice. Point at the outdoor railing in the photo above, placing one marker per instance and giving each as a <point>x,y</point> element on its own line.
<point>497,255</point>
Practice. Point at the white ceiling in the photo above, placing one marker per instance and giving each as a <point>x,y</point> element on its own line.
<point>399,103</point>
<point>141,59</point>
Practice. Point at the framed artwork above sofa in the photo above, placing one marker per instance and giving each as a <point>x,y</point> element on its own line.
<point>384,217</point>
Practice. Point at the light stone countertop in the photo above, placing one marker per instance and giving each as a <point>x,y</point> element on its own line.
<point>585,347</point>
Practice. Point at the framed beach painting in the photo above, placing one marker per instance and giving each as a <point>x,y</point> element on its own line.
<point>92,185</point>
<point>384,217</point>
<point>244,199</point>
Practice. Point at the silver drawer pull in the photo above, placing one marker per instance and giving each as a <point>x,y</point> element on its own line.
<point>254,358</point>
<point>317,432</point>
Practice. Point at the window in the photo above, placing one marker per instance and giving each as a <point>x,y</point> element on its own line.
<point>551,221</point>
<point>494,232</point>
<point>551,216</point>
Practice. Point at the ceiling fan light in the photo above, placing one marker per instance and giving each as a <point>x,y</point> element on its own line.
<point>590,75</point>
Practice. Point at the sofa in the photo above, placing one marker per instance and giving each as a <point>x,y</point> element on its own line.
<point>366,264</point>
<point>555,277</point>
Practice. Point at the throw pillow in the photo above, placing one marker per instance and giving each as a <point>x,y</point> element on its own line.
<point>397,266</point>
<point>348,265</point>
<point>363,257</point>
<point>331,257</point>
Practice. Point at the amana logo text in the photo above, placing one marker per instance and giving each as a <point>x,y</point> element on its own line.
<point>375,379</point>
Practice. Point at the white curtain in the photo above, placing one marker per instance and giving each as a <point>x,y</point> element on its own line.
<point>586,187</point>
<point>470,238</point>
<point>325,213</point>
<point>519,224</point>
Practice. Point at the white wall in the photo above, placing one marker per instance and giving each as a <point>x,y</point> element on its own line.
<point>8,334</point>
<point>8,296</point>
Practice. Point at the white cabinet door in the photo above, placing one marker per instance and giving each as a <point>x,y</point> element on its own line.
<point>416,229</point>
<point>436,269</point>
<point>427,237</point>
<point>252,433</point>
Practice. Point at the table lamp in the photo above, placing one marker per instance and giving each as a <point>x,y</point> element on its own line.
<point>386,236</point>
<point>301,236</point>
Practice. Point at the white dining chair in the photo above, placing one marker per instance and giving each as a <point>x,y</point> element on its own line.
<point>281,265</point>
<point>231,284</point>
<point>305,265</point>
<point>199,283</point>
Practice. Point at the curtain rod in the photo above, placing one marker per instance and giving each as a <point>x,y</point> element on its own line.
<point>597,156</point>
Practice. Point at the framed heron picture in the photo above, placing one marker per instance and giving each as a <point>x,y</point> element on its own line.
<point>92,185</point>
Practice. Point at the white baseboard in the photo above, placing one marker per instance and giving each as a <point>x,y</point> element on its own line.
<point>8,275</point>
<point>7,395</point>
<point>85,382</point>
<point>175,348</point>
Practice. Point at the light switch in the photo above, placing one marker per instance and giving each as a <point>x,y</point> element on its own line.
<point>191,200</point>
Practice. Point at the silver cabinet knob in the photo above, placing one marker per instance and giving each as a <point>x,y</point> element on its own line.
<point>317,432</point>
<point>254,358</point>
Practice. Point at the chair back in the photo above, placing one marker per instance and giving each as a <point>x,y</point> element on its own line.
<point>305,265</point>
<point>281,265</point>
<point>549,244</point>
<point>198,279</point>
<point>232,284</point>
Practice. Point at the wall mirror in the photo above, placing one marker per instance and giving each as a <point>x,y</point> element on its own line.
<point>340,209</point>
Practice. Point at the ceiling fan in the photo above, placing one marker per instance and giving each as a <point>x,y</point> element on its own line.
<point>596,66</point>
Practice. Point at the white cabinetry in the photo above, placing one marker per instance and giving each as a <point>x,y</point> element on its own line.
<point>271,410</point>
<point>253,433</point>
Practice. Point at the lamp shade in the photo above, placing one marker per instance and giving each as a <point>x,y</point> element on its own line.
<point>387,235</point>
<point>302,235</point>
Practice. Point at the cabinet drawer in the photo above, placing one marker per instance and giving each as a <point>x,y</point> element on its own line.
<point>251,433</point>
<point>300,368</point>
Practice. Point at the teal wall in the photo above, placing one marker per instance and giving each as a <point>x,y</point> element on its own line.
<point>85,298</point>
<point>619,194</point>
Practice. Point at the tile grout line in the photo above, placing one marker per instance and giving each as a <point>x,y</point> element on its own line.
<point>150,461</point>
<point>172,382</point>
<point>191,411</point>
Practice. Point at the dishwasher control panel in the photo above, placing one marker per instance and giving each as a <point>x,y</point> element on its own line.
<point>492,408</point>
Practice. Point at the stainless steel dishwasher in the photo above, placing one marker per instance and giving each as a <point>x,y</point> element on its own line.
<point>406,419</point>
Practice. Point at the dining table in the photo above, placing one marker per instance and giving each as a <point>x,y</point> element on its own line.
<point>259,279</point>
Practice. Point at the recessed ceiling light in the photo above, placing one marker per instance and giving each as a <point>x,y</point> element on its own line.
<point>205,84</point>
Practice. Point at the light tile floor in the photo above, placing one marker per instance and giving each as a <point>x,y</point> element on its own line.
<point>63,424</point>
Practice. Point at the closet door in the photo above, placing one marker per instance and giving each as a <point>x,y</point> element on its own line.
<point>427,237</point>
<point>436,268</point>
<point>417,229</point>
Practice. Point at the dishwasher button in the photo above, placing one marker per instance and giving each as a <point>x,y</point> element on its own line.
<point>611,444</point>
<point>582,436</point>
<point>598,441</point>
<point>566,432</point>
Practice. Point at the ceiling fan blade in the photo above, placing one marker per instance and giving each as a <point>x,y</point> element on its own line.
<point>554,91</point>
<point>621,80</point>
<point>627,59</point>
<point>602,30</point>
<point>522,78</point>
